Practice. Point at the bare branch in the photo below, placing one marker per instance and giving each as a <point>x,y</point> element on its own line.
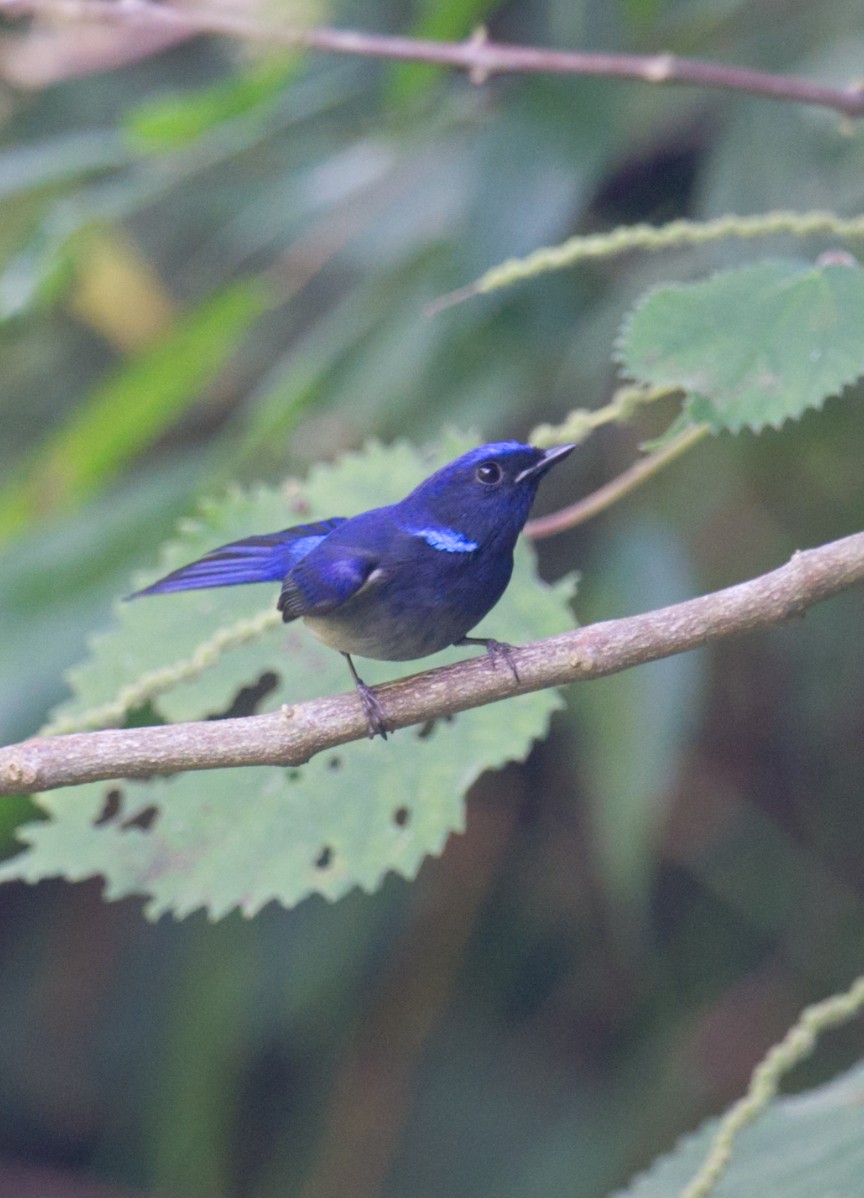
<point>477,56</point>
<point>294,735</point>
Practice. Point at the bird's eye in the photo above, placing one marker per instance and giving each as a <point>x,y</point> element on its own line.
<point>489,473</point>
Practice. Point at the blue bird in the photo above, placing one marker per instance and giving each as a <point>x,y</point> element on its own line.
<point>396,582</point>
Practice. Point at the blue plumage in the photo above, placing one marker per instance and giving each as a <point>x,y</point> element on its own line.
<point>396,582</point>
<point>266,558</point>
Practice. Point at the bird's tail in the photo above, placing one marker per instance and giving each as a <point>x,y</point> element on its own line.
<point>267,558</point>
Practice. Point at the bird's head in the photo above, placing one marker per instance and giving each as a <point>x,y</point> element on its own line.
<point>489,490</point>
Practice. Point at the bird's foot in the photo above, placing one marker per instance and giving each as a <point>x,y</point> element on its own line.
<point>496,650</point>
<point>373,710</point>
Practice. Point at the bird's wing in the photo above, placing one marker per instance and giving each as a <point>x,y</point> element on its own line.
<point>266,558</point>
<point>325,580</point>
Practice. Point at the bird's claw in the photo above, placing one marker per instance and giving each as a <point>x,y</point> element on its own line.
<point>500,649</point>
<point>373,711</point>
<point>494,650</point>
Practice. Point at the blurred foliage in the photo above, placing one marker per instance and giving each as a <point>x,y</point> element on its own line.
<point>215,265</point>
<point>170,122</point>
<point>131,409</point>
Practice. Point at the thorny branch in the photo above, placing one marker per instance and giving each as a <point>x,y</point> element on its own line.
<point>478,56</point>
<point>293,735</point>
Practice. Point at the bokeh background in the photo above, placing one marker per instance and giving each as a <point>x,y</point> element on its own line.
<point>215,266</point>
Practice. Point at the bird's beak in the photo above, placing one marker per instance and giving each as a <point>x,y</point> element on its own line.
<point>549,459</point>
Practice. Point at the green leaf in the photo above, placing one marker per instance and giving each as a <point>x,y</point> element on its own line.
<point>753,346</point>
<point>173,121</point>
<point>240,838</point>
<point>806,1146</point>
<point>244,837</point>
<point>37,275</point>
<point>132,408</point>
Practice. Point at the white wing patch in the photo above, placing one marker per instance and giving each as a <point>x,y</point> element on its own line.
<point>445,539</point>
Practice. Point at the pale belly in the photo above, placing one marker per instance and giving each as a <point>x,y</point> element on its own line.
<point>386,643</point>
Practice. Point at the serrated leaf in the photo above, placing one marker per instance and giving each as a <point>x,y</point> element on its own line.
<point>806,1146</point>
<point>753,346</point>
<point>243,837</point>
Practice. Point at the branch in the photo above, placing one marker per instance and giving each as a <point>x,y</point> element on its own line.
<point>295,734</point>
<point>479,57</point>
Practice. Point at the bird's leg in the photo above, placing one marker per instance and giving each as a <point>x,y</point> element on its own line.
<point>373,709</point>
<point>495,649</point>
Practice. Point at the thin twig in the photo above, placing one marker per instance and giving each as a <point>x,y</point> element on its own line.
<point>293,735</point>
<point>477,56</point>
<point>611,492</point>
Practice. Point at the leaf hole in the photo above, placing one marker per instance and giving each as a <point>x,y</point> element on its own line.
<point>401,816</point>
<point>429,727</point>
<point>335,763</point>
<point>144,819</point>
<point>110,808</point>
<point>249,698</point>
<point>324,858</point>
